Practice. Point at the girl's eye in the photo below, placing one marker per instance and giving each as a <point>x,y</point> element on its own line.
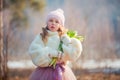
<point>57,21</point>
<point>51,20</point>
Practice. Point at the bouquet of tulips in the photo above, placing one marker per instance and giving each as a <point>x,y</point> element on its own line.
<point>71,34</point>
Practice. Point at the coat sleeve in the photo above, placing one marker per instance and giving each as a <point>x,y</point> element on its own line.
<point>40,53</point>
<point>72,48</point>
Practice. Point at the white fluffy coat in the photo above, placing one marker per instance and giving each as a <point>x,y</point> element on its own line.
<point>39,51</point>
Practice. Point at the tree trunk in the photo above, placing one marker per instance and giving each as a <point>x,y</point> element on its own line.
<point>3,51</point>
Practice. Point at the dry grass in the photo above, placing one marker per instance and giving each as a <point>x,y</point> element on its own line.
<point>98,76</point>
<point>23,74</point>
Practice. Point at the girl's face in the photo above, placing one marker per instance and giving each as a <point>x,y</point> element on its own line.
<point>53,24</point>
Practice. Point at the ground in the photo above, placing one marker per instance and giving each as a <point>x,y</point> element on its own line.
<point>23,74</point>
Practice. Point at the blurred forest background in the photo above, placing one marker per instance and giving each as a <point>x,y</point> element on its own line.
<point>97,20</point>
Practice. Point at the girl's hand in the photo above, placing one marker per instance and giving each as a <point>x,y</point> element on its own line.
<point>59,55</point>
<point>55,60</point>
<point>62,30</point>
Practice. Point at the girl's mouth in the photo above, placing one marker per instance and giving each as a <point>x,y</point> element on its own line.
<point>52,27</point>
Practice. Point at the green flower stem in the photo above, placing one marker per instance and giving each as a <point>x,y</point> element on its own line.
<point>53,62</point>
<point>71,34</point>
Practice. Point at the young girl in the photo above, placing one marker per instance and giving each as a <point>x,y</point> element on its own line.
<point>45,46</point>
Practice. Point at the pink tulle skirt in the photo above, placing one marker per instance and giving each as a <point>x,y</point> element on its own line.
<point>60,72</point>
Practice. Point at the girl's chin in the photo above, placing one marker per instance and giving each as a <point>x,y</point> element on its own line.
<point>52,30</point>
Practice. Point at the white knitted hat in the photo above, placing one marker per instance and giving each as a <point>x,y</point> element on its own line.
<point>58,14</point>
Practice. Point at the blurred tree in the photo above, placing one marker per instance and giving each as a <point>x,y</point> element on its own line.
<point>3,54</point>
<point>18,19</point>
<point>17,7</point>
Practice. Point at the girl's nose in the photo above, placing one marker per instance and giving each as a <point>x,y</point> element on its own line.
<point>53,22</point>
